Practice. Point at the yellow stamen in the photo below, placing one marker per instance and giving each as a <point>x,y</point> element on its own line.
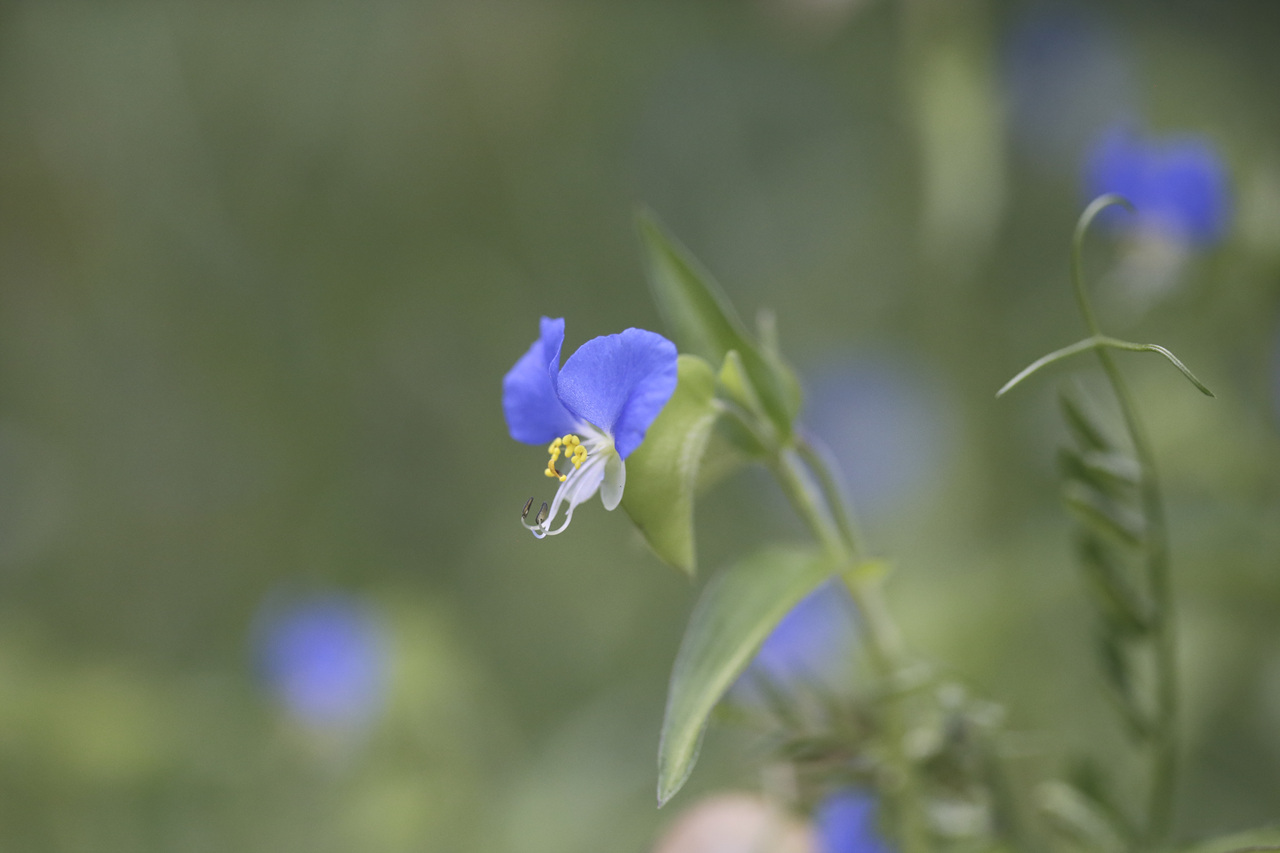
<point>573,450</point>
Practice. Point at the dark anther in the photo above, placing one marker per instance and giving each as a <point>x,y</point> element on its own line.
<point>524,513</point>
<point>542,513</point>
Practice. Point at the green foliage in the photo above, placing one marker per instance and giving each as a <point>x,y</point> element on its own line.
<point>266,262</point>
<point>1123,548</point>
<point>736,611</point>
<point>662,473</point>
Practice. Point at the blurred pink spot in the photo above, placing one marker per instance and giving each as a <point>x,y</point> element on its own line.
<point>736,823</point>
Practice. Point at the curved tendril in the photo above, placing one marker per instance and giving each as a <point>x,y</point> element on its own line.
<point>1164,752</point>
<point>1099,343</point>
<point>1096,340</point>
<point>1086,219</point>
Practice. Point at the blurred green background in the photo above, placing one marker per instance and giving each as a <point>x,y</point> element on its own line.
<point>263,266</point>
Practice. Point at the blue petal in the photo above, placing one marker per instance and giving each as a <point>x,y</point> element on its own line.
<point>534,413</point>
<point>1118,164</point>
<point>1178,185</point>
<point>1190,190</point>
<point>620,383</point>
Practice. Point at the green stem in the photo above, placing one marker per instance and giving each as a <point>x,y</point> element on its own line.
<point>822,507</point>
<point>1164,732</point>
<point>1164,749</point>
<point>821,462</point>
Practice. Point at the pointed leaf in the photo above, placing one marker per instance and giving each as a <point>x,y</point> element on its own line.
<point>702,321</point>
<point>1100,513</point>
<point>746,435</point>
<point>1112,473</point>
<point>1118,669</point>
<point>1086,426</point>
<point>663,471</point>
<point>1123,608</point>
<point>734,614</point>
<point>735,384</point>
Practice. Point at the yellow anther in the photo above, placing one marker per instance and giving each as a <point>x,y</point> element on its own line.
<point>573,450</point>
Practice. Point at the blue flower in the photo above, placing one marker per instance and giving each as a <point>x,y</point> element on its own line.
<point>846,823</point>
<point>325,658</point>
<point>593,412</point>
<point>1178,185</point>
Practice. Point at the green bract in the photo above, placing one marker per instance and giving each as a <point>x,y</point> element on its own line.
<point>664,469</point>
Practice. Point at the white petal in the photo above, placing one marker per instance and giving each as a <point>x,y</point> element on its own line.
<point>615,478</point>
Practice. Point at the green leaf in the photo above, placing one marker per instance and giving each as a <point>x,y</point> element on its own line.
<point>737,387</point>
<point>702,321</point>
<point>662,472</point>
<point>736,611</point>
<point>1112,473</point>
<point>1085,424</point>
<point>1123,608</point>
<point>1098,512</point>
<point>742,431</point>
<point>1118,672</point>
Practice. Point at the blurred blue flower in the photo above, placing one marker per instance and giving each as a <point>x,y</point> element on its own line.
<point>884,424</point>
<point>594,411</point>
<point>1178,184</point>
<point>325,657</point>
<point>1066,76</point>
<point>813,645</point>
<point>846,823</point>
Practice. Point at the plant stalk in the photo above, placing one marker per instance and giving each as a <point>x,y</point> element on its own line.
<point>1164,749</point>
<point>815,494</point>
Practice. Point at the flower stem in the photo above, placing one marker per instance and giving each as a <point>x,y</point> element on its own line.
<point>1164,747</point>
<point>805,473</point>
